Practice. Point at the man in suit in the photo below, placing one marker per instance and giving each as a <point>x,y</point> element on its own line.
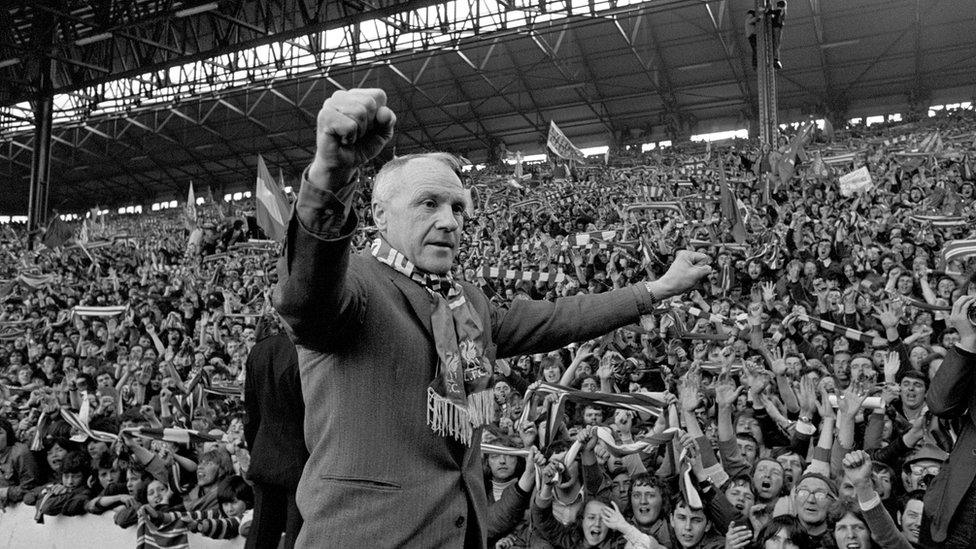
<point>273,431</point>
<point>949,517</point>
<point>395,354</point>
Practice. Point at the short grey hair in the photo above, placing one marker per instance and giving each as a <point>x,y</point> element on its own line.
<point>385,183</point>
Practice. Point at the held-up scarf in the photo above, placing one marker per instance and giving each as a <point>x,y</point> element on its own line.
<point>458,399</point>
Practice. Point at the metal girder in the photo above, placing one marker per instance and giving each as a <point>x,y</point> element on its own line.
<point>393,68</point>
<point>819,31</point>
<point>659,76</point>
<point>552,54</point>
<point>143,40</point>
<point>730,46</point>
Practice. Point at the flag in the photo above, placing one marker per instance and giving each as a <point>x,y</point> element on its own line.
<point>190,210</point>
<point>272,205</point>
<point>819,169</point>
<point>730,207</point>
<point>787,163</point>
<point>57,234</point>
<point>828,130</point>
<point>558,143</point>
<point>177,435</point>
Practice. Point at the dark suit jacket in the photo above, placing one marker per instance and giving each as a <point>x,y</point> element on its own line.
<point>952,394</point>
<point>275,418</point>
<point>377,475</point>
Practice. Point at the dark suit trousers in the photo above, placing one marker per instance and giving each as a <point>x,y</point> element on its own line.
<point>275,512</point>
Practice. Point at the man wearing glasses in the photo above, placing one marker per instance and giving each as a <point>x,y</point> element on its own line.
<point>811,499</point>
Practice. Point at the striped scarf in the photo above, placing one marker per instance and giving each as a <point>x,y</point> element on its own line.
<point>459,400</point>
<point>849,333</point>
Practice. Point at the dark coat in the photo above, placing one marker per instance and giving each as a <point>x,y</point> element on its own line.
<point>273,428</point>
<point>952,394</point>
<point>377,475</point>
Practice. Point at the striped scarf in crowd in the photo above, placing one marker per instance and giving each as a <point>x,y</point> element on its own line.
<point>459,400</point>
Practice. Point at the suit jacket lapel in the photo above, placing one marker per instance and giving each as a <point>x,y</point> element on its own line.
<point>420,299</point>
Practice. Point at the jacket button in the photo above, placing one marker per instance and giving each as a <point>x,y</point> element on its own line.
<point>459,522</point>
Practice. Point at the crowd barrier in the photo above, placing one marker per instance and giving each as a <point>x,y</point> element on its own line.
<point>19,529</point>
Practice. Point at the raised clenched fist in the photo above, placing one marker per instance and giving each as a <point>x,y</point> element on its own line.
<point>352,127</point>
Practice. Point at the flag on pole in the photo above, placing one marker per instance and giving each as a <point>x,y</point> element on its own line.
<point>272,205</point>
<point>58,233</point>
<point>730,207</point>
<point>787,163</point>
<point>190,209</point>
<point>561,145</point>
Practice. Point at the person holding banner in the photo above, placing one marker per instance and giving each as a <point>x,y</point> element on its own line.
<point>395,353</point>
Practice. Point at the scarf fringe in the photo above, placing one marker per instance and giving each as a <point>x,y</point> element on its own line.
<point>447,418</point>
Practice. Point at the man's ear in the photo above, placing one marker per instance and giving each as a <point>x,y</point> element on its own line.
<point>379,216</point>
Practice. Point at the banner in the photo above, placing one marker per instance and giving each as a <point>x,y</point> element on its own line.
<point>857,181</point>
<point>561,145</point>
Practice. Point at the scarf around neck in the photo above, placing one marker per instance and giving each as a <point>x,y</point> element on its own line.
<point>459,399</point>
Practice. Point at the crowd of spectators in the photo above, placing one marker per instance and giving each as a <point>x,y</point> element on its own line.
<point>790,390</point>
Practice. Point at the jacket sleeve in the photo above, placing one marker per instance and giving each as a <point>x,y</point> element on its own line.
<point>252,415</point>
<point>317,296</point>
<point>883,529</point>
<point>506,513</point>
<point>529,327</point>
<point>27,474</point>
<point>953,384</point>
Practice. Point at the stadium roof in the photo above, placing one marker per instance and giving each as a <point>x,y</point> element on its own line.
<point>153,94</point>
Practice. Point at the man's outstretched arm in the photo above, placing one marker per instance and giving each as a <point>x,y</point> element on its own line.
<point>316,294</point>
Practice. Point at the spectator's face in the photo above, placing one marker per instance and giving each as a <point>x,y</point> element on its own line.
<point>792,468</point>
<point>594,531</point>
<point>850,532</point>
<point>424,215</point>
<point>96,449</point>
<point>811,499</point>
<point>55,456</point>
<point>882,483</point>
<point>780,540</point>
<point>502,466</point>
<point>767,479</point>
<point>912,392</point>
<point>646,503</point>
<point>592,416</point>
<point>105,380</point>
<point>207,473</point>
<point>589,385</point>
<point>619,489</point>
<point>502,392</point>
<point>158,494</point>
<point>945,288</point>
<point>234,508</point>
<point>72,480</point>
<point>748,449</point>
<point>689,526</point>
<point>108,476</point>
<point>917,472</point>
<point>740,496</point>
<point>911,520</point>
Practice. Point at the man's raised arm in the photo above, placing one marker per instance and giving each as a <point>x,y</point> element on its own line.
<point>315,293</point>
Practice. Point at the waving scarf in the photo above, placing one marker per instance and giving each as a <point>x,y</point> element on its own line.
<point>459,399</point>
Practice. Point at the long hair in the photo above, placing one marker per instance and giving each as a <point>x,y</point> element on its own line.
<point>794,532</point>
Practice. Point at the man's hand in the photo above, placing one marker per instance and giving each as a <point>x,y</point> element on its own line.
<point>686,270</point>
<point>726,393</point>
<point>959,319</point>
<point>857,466</point>
<point>352,127</point>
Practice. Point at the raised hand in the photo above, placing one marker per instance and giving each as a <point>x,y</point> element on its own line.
<point>888,315</point>
<point>352,127</point>
<point>857,466</point>
<point>738,537</point>
<point>726,393</point>
<point>891,365</point>
<point>613,518</point>
<point>686,270</point>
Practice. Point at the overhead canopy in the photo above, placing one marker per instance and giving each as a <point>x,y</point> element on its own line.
<point>150,95</point>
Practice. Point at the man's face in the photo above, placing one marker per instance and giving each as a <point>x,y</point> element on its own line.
<point>851,532</point>
<point>792,467</point>
<point>689,526</point>
<point>594,531</point>
<point>912,392</point>
<point>72,480</point>
<point>502,466</point>
<point>768,479</point>
<point>748,449</point>
<point>619,489</point>
<point>423,216</point>
<point>911,520</point>
<point>592,416</point>
<point>645,502</point>
<point>207,472</point>
<point>811,500</point>
<point>740,496</point>
<point>158,494</point>
<point>917,471</point>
